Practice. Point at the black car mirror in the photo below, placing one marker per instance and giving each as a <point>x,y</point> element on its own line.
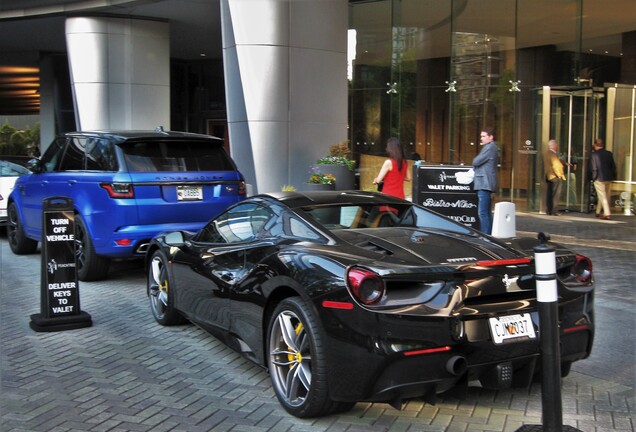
<point>34,165</point>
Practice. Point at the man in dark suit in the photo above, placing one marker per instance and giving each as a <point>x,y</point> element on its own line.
<point>602,172</point>
<point>485,182</point>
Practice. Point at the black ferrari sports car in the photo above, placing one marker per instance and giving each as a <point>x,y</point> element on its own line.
<point>359,296</point>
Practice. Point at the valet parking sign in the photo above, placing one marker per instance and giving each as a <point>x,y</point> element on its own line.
<point>447,189</point>
<point>60,301</point>
<point>61,274</point>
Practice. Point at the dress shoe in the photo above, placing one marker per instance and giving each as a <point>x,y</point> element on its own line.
<point>606,218</point>
<point>597,215</point>
<point>556,214</point>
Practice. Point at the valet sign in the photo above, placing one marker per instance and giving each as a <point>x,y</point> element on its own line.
<point>61,271</point>
<point>59,290</point>
<point>448,190</point>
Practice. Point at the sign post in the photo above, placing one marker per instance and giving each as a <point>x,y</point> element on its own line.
<point>547,304</point>
<point>59,290</point>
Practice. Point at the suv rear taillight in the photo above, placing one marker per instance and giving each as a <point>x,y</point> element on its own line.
<point>119,190</point>
<point>242,190</point>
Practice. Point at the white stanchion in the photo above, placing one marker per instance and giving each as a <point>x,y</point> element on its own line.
<point>504,223</point>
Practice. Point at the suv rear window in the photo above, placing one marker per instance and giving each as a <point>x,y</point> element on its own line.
<point>176,156</point>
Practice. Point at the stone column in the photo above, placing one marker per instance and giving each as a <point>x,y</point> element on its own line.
<point>120,72</point>
<point>286,85</point>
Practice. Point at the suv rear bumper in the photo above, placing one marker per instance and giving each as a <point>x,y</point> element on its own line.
<point>132,241</point>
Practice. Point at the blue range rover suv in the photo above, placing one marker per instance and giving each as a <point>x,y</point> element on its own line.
<point>126,186</point>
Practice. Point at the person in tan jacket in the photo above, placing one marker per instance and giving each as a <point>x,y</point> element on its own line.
<point>554,175</point>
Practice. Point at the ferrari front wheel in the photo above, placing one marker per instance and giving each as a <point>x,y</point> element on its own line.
<point>297,361</point>
<point>160,293</point>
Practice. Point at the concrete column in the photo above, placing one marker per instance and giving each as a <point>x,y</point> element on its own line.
<point>120,72</point>
<point>286,85</point>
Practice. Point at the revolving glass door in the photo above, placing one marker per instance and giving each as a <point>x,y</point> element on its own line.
<point>571,116</point>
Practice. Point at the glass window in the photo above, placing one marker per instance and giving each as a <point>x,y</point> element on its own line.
<point>381,216</point>
<point>176,156</point>
<point>100,155</point>
<point>10,169</point>
<point>73,159</point>
<point>289,225</point>
<point>51,156</point>
<point>241,223</point>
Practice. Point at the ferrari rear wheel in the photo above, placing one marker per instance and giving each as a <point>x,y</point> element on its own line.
<point>159,291</point>
<point>297,362</point>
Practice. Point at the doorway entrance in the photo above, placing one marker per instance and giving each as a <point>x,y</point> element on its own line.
<point>572,116</point>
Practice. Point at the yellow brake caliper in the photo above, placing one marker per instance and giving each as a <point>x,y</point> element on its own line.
<point>295,358</point>
<point>164,287</point>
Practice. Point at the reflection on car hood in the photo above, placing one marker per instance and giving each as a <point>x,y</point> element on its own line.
<point>414,245</point>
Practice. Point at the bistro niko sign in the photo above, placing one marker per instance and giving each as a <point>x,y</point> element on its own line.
<point>448,190</point>
<point>59,291</point>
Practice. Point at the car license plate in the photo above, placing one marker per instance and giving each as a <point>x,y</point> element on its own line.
<point>510,327</point>
<point>189,193</point>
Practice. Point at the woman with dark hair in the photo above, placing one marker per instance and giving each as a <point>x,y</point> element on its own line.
<point>394,171</point>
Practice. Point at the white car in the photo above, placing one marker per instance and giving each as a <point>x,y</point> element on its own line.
<point>9,172</point>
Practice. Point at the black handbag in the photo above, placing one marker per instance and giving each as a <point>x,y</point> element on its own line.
<point>380,186</point>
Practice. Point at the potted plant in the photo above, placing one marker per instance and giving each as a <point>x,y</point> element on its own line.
<point>319,180</point>
<point>338,162</point>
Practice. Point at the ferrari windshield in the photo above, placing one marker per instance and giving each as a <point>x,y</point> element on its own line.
<point>357,216</point>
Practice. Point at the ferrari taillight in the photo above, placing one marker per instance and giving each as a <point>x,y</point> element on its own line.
<point>119,190</point>
<point>582,269</point>
<point>366,286</point>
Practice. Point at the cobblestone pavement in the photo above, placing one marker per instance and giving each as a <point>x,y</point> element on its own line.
<point>126,373</point>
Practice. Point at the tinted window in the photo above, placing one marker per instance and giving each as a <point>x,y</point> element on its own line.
<point>378,216</point>
<point>9,169</point>
<point>289,225</point>
<point>176,156</point>
<point>73,159</point>
<point>100,155</point>
<point>239,224</point>
<point>52,155</point>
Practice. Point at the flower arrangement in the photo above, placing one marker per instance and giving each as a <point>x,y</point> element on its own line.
<point>318,177</point>
<point>339,154</point>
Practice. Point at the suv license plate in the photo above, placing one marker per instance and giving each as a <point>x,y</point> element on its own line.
<point>510,327</point>
<point>189,193</point>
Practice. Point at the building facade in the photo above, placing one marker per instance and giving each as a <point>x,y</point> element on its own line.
<point>271,77</point>
<point>434,72</point>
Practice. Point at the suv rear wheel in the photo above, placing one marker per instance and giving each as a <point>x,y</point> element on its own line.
<point>90,266</point>
<point>20,244</point>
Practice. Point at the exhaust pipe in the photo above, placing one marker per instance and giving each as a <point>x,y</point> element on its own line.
<point>456,365</point>
<point>142,248</point>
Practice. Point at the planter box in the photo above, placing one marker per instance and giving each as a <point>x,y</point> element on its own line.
<point>309,187</point>
<point>345,179</point>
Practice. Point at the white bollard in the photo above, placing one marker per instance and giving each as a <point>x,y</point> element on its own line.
<point>503,223</point>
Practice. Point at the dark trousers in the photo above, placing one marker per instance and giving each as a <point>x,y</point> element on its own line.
<point>554,195</point>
